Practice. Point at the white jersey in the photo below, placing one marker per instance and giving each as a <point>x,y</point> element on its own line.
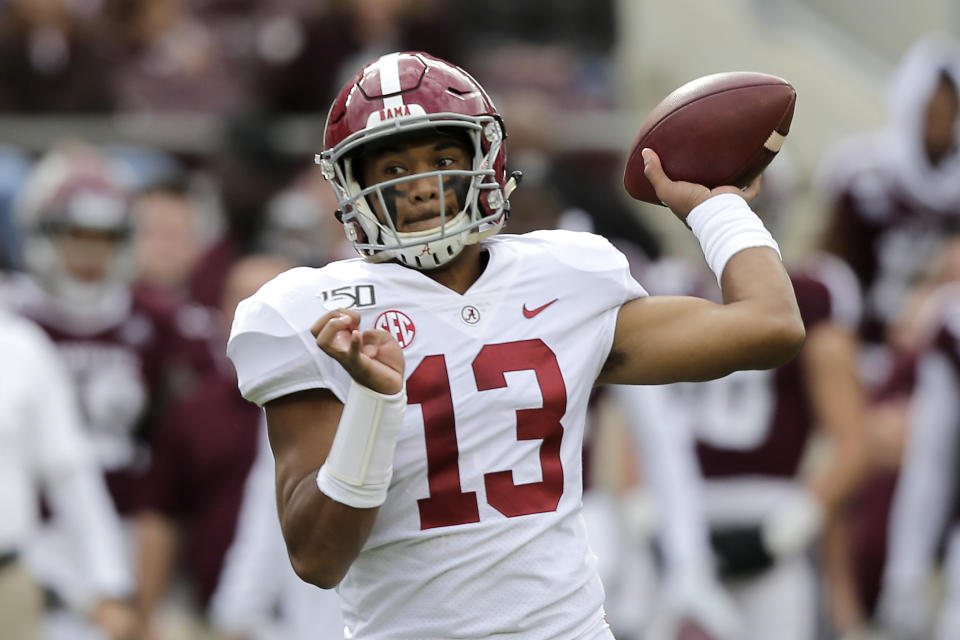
<point>43,445</point>
<point>481,534</point>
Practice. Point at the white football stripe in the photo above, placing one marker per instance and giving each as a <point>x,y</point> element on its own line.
<point>775,141</point>
<point>390,80</point>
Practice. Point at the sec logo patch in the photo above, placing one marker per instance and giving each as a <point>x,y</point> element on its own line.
<point>397,324</point>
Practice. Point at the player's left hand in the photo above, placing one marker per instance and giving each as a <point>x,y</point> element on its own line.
<point>373,357</point>
<point>681,196</point>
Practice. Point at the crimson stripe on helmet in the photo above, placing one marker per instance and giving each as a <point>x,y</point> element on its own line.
<point>390,80</point>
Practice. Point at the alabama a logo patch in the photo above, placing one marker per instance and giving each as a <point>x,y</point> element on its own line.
<point>397,324</point>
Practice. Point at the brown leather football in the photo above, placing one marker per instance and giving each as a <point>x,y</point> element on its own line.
<point>721,129</point>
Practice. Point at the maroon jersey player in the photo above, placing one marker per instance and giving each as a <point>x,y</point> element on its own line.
<point>123,347</point>
<point>126,352</point>
<point>752,430</point>
<point>894,193</point>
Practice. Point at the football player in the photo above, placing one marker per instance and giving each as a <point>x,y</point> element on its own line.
<point>923,519</point>
<point>45,446</point>
<point>894,195</point>
<point>127,353</point>
<point>752,431</point>
<point>895,192</point>
<point>426,401</point>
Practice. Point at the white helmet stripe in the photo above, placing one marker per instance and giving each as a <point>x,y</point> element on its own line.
<point>390,80</point>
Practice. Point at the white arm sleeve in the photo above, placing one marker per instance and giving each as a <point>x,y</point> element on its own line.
<point>666,448</point>
<point>925,488</point>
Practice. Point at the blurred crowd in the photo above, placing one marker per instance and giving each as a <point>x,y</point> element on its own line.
<point>815,501</point>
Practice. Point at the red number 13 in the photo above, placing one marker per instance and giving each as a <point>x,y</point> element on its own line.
<point>429,386</point>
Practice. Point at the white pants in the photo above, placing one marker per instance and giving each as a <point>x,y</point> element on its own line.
<point>948,619</point>
<point>779,604</point>
<point>626,565</point>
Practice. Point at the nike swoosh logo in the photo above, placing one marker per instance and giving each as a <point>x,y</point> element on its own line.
<point>529,313</point>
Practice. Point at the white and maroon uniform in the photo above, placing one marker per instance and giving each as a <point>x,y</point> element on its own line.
<point>925,505</point>
<point>756,423</point>
<point>481,534</point>
<point>890,207</point>
<point>122,363</point>
<point>751,430</point>
<point>43,445</point>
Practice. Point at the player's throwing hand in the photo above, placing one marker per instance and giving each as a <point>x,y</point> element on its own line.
<point>681,196</point>
<point>373,358</point>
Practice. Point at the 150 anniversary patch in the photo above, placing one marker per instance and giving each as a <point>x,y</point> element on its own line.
<point>351,296</point>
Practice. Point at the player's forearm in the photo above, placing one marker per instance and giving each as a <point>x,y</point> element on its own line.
<point>836,482</point>
<point>323,536</point>
<point>158,543</point>
<point>757,289</point>
<point>832,383</point>
<point>761,308</point>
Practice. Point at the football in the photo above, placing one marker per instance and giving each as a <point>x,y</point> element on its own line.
<point>721,129</point>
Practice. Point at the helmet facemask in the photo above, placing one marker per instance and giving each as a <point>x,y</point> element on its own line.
<point>482,203</point>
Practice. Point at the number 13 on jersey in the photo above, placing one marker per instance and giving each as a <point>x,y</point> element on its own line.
<point>429,387</point>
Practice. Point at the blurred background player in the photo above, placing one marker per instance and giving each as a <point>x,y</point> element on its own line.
<point>46,448</point>
<point>894,200</point>
<point>170,229</point>
<point>754,429</point>
<point>127,352</point>
<point>647,525</point>
<point>924,534</point>
<point>894,193</point>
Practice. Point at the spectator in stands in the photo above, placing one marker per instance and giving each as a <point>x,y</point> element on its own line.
<point>168,61</point>
<point>51,61</point>
<point>169,233</point>
<point>346,34</point>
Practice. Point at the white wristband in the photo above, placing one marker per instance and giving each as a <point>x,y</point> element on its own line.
<point>725,225</point>
<point>358,469</point>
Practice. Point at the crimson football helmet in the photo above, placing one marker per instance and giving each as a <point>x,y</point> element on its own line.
<point>75,189</point>
<point>401,94</point>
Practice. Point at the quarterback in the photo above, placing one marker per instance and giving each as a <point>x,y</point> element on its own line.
<point>426,400</point>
